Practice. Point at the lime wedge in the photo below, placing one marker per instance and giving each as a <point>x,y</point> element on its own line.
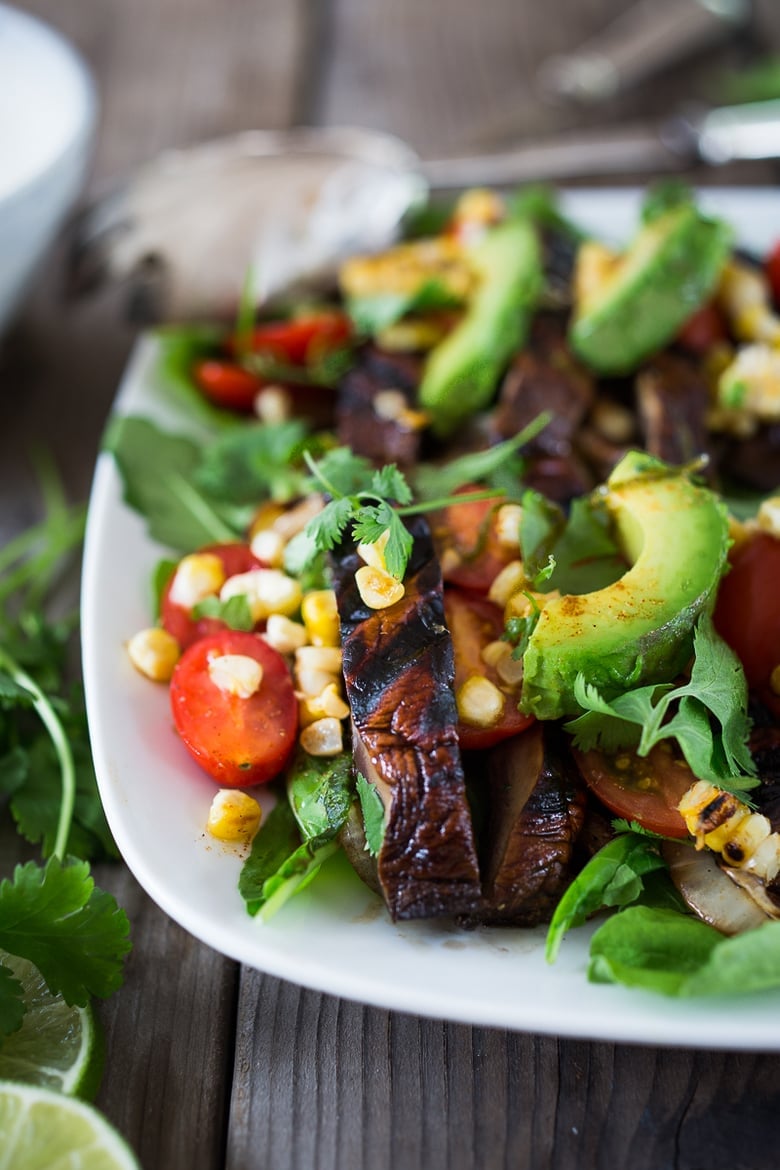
<point>57,1046</point>
<point>42,1129</point>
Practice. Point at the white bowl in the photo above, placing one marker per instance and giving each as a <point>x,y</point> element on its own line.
<point>47,119</point>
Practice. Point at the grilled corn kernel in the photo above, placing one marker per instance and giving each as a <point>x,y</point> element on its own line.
<point>508,519</point>
<point>480,702</point>
<point>328,702</point>
<point>408,267</point>
<point>722,823</point>
<point>479,205</point>
<point>594,265</point>
<point>268,546</point>
<point>285,635</point>
<point>613,421</point>
<point>377,588</point>
<point>412,335</point>
<point>745,297</point>
<point>267,591</point>
<point>197,576</point>
<point>155,653</point>
<point>374,553</point>
<point>236,674</point>
<point>321,617</point>
<point>273,405</point>
<point>234,815</point>
<point>309,682</point>
<point>323,737</point>
<point>507,582</point>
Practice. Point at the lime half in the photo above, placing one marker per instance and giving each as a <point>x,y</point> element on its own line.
<point>57,1046</point>
<point>41,1130</point>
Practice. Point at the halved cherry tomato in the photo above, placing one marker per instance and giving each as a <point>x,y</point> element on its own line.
<point>226,384</point>
<point>300,340</point>
<point>238,742</point>
<point>473,623</point>
<point>642,789</point>
<point>703,329</point>
<point>747,610</point>
<point>177,619</point>
<point>772,269</point>
<point>469,529</point>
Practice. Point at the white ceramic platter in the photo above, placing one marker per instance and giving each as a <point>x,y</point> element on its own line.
<point>335,937</point>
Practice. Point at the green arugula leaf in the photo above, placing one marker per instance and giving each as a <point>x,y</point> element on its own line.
<point>320,793</point>
<point>655,949</point>
<point>431,480</point>
<point>279,864</point>
<point>710,724</point>
<point>158,472</point>
<point>75,934</point>
<point>613,877</point>
<point>178,349</point>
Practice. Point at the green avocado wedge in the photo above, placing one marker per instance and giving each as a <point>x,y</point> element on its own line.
<point>462,372</point>
<point>639,630</point>
<point>668,271</point>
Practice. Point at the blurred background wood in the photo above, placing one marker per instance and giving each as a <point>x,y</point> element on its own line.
<point>209,1065</point>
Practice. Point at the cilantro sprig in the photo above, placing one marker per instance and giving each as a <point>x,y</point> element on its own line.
<point>50,914</point>
<point>369,503</point>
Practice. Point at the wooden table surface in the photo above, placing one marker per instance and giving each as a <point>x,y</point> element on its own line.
<point>211,1065</point>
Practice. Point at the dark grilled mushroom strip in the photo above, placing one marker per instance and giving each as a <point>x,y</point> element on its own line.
<point>537,809</point>
<point>399,673</point>
<point>372,432</point>
<point>672,400</point>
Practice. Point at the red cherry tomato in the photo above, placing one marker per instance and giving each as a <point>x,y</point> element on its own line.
<point>178,620</point>
<point>473,623</point>
<point>747,611</point>
<point>238,742</point>
<point>772,269</point>
<point>646,790</point>
<point>469,530</point>
<point>299,340</point>
<point>703,329</point>
<point>226,384</point>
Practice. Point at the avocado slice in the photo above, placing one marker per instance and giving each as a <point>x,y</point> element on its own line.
<point>462,372</point>
<point>669,270</point>
<point>640,629</point>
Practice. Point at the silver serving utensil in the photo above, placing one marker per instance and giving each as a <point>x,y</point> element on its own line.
<point>290,205</point>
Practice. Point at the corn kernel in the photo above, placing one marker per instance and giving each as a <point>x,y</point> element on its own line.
<point>378,589</point>
<point>236,674</point>
<point>323,737</point>
<point>507,582</point>
<point>285,635</point>
<point>310,681</point>
<point>267,591</point>
<point>374,553</point>
<point>197,576</point>
<point>321,617</point>
<point>294,520</point>
<point>273,405</point>
<point>521,604</point>
<point>154,653</point>
<point>327,658</point>
<point>480,702</point>
<point>327,703</point>
<point>507,523</point>
<point>769,516</point>
<point>234,815</point>
<point>268,546</point>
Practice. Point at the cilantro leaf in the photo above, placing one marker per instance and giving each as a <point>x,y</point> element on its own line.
<point>75,934</point>
<point>234,611</point>
<point>373,814</point>
<point>390,483</point>
<point>254,462</point>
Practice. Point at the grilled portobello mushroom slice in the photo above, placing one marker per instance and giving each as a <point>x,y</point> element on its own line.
<point>399,673</point>
<point>536,812</point>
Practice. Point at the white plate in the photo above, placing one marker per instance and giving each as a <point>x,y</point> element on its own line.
<point>335,937</point>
